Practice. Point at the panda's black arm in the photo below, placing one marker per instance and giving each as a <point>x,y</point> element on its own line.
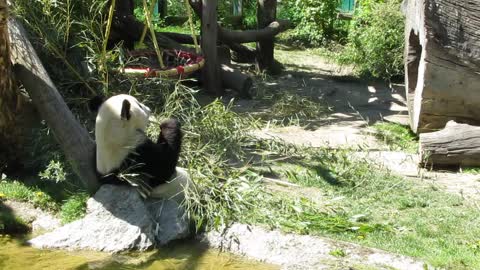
<point>161,158</point>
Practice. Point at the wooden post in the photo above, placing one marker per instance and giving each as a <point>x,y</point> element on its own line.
<point>266,14</point>
<point>211,71</point>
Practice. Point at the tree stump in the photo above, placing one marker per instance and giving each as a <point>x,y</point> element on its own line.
<point>455,145</point>
<point>442,62</point>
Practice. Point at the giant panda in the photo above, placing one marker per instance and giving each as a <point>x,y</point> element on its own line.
<point>123,148</point>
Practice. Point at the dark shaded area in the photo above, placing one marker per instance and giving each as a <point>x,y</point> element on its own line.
<point>9,223</point>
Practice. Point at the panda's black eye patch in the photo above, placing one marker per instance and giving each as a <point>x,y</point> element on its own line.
<point>125,114</point>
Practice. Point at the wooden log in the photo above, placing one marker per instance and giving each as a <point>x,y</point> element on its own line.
<point>264,34</point>
<point>73,138</point>
<point>211,71</point>
<point>442,62</point>
<point>236,80</point>
<point>455,145</point>
<point>267,32</point>
<point>266,14</point>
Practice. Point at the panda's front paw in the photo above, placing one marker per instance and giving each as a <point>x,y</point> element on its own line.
<point>170,132</point>
<point>170,124</point>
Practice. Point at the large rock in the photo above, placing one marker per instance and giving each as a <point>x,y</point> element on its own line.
<point>119,219</point>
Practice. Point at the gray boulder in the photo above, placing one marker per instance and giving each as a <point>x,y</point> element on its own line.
<point>118,219</point>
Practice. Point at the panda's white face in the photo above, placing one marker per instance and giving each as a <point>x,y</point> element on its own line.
<point>119,128</point>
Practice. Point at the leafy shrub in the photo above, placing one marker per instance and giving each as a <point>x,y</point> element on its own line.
<point>375,40</point>
<point>315,21</point>
<point>55,171</point>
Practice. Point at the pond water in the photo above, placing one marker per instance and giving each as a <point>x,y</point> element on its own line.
<point>16,255</point>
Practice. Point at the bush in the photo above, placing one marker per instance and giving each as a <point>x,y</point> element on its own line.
<point>375,40</point>
<point>315,21</point>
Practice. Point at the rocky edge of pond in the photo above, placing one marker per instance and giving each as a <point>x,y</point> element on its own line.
<point>119,223</point>
<point>127,222</point>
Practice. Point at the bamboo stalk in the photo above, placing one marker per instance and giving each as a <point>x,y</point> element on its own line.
<point>105,41</point>
<point>192,30</point>
<point>152,32</point>
<point>145,28</point>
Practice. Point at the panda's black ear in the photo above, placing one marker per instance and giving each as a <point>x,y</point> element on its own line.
<point>95,103</point>
<point>125,114</point>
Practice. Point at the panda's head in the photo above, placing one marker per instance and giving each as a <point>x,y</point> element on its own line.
<point>119,127</point>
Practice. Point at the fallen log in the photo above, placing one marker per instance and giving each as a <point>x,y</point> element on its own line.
<point>237,81</point>
<point>73,138</point>
<point>455,145</point>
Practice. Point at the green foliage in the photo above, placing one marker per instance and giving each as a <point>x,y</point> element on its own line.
<point>376,39</point>
<point>70,36</point>
<point>18,191</point>
<point>55,171</point>
<point>315,21</point>
<point>397,137</point>
<point>74,208</point>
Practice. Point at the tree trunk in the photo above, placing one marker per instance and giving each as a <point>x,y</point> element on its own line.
<point>9,99</point>
<point>442,62</point>
<point>162,8</point>
<point>74,139</point>
<point>266,14</point>
<point>211,71</point>
<point>455,145</point>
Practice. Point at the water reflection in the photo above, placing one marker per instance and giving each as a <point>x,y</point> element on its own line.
<point>14,255</point>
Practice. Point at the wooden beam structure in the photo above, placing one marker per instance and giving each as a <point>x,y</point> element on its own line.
<point>266,14</point>
<point>211,71</point>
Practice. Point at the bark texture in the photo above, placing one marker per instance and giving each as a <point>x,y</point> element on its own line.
<point>442,62</point>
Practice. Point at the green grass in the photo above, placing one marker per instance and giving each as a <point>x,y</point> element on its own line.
<point>396,136</point>
<point>74,208</point>
<point>18,191</point>
<point>71,208</point>
<point>400,215</point>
